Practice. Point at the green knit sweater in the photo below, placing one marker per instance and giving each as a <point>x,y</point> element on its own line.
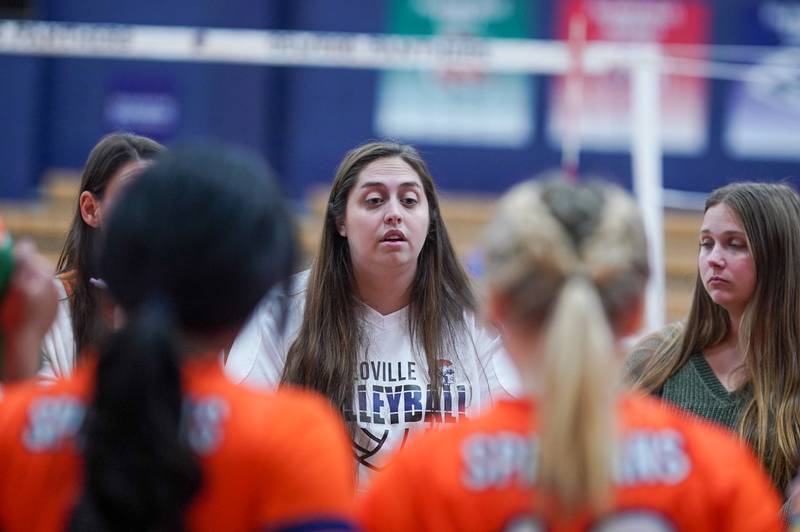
<point>696,389</point>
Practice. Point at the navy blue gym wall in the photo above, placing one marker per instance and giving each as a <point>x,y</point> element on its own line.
<point>302,119</point>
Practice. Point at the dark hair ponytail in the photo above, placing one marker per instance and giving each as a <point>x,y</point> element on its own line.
<point>140,473</point>
<point>189,250</point>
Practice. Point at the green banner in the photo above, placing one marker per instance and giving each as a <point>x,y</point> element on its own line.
<point>452,106</point>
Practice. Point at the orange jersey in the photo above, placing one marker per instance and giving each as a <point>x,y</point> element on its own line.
<point>269,461</point>
<point>675,473</point>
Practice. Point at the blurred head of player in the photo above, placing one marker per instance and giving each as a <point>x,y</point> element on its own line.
<point>114,160</point>
<point>191,247</point>
<point>566,269</point>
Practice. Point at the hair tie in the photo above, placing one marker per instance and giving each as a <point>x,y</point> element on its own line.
<point>99,283</point>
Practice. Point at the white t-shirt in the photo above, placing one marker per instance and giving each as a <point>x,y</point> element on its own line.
<point>392,400</point>
<point>58,345</point>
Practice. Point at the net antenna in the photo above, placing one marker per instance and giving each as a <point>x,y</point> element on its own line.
<point>573,99</point>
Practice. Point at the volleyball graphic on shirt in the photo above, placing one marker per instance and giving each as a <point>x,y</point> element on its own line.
<point>448,372</point>
<point>394,398</point>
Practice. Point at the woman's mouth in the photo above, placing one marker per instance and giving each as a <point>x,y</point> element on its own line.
<point>393,235</point>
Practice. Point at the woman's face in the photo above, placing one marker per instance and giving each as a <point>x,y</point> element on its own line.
<point>726,265</point>
<point>386,219</point>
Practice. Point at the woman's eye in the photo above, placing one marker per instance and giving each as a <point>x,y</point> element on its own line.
<point>706,244</point>
<point>373,200</point>
<point>737,244</point>
<point>410,200</point>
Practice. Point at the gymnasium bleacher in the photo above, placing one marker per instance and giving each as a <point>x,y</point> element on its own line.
<point>47,220</point>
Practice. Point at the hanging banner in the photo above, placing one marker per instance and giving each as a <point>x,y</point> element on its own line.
<point>456,106</point>
<point>763,117</point>
<point>605,116</point>
<point>147,106</point>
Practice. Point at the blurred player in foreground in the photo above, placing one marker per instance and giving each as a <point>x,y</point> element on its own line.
<point>566,271</point>
<point>151,435</point>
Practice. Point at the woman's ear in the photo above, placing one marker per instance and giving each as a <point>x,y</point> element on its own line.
<point>340,227</point>
<point>90,209</point>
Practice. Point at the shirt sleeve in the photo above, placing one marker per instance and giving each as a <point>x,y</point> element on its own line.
<point>309,475</point>
<point>643,350</point>
<point>57,352</point>
<point>258,354</point>
<point>501,378</point>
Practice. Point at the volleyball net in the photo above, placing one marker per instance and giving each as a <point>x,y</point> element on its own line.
<point>643,63</point>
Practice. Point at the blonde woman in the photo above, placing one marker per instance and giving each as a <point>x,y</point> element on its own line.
<point>734,360</point>
<point>566,271</point>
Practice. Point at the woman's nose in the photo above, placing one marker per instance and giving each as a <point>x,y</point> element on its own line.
<point>716,258</point>
<point>392,214</point>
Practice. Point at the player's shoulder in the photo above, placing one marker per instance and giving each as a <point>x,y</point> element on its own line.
<point>293,406</point>
<point>18,395</point>
<point>434,462</point>
<point>300,400</point>
<point>508,416</point>
<point>46,415</point>
<point>280,412</point>
<point>722,469</point>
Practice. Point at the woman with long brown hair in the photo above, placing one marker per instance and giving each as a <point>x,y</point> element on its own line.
<point>566,269</point>
<point>114,160</point>
<point>383,323</point>
<point>735,359</point>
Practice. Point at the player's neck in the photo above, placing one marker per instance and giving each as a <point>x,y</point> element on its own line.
<point>385,292</point>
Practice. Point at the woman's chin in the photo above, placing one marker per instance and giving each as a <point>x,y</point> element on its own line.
<point>730,305</point>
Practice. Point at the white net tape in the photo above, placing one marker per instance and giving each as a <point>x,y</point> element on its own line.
<point>645,62</point>
<point>359,50</point>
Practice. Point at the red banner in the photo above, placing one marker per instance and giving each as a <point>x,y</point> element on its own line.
<point>606,100</point>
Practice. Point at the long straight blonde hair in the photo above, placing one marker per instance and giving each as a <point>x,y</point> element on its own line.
<point>569,261</point>
<point>769,332</point>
